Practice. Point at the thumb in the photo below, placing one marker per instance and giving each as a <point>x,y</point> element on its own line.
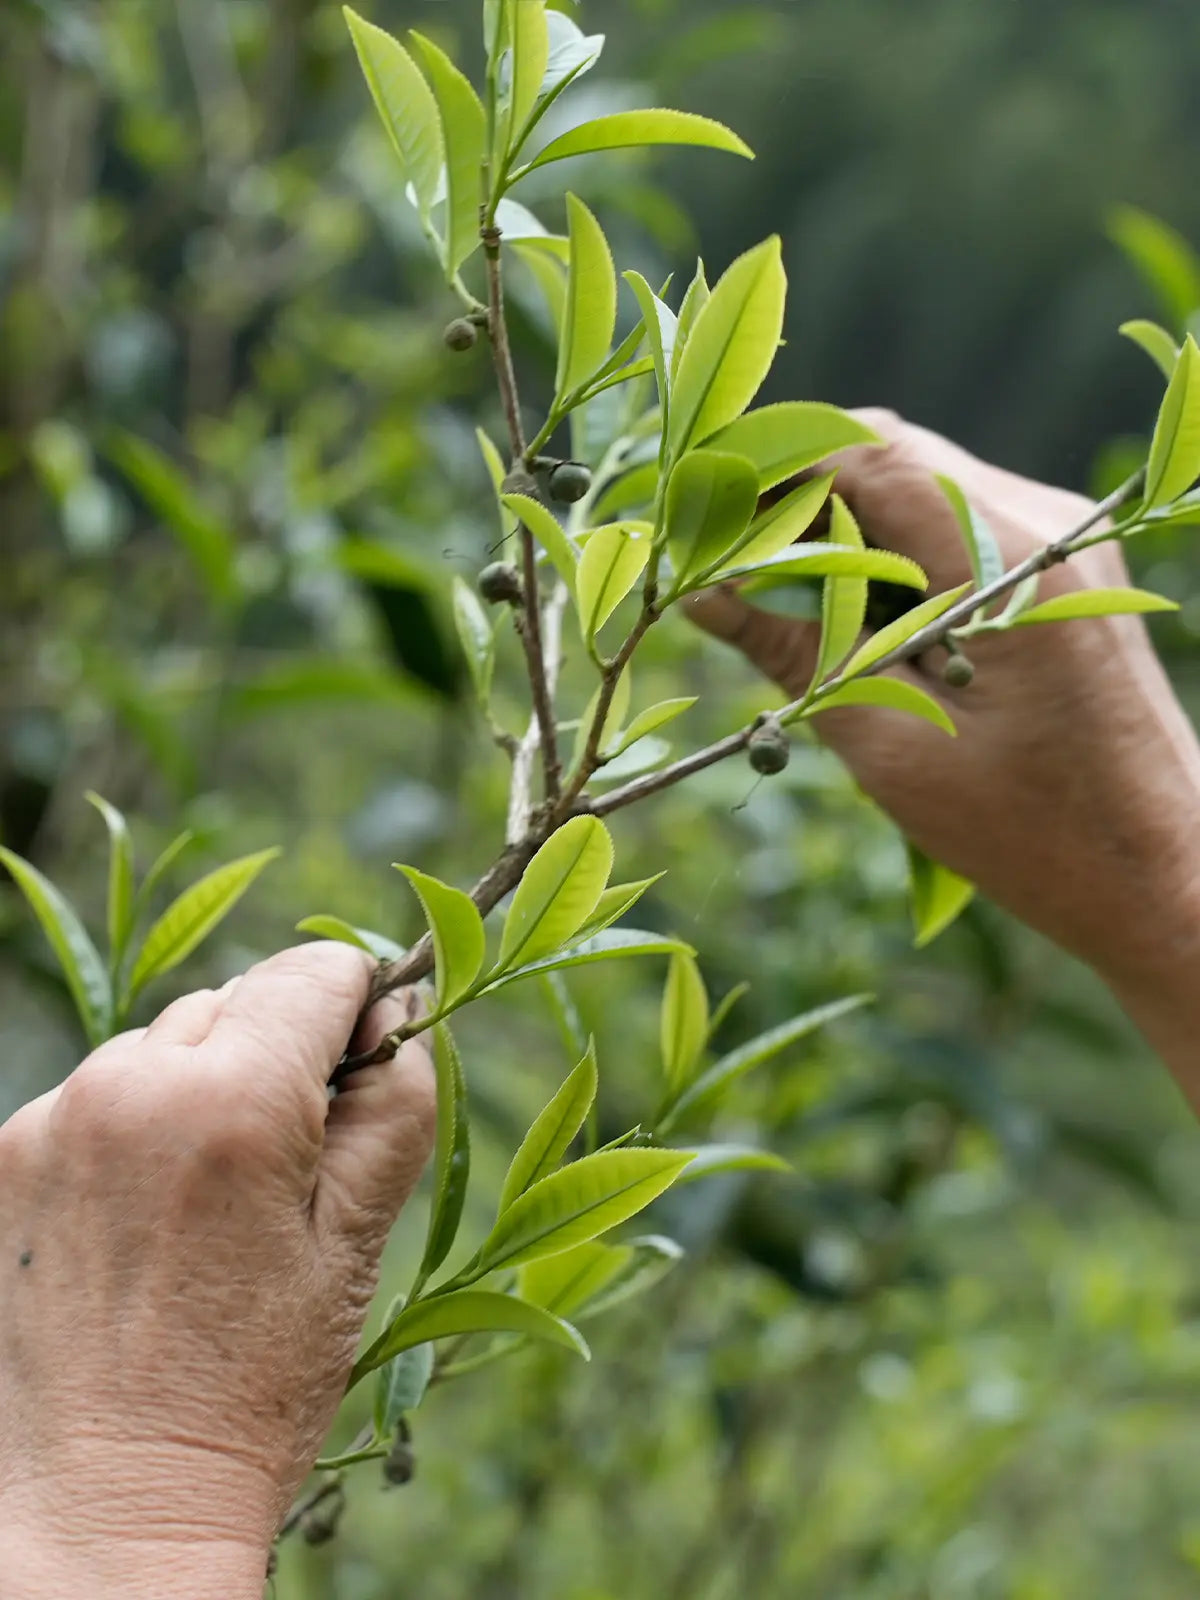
<point>782,648</point>
<point>378,1134</point>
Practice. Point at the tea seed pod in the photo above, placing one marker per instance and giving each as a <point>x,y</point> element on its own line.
<point>569,482</point>
<point>959,672</point>
<point>770,748</point>
<point>319,1524</point>
<point>461,334</point>
<point>499,584</point>
<point>400,1464</point>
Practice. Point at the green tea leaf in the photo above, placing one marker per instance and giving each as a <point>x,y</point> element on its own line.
<point>617,711</point>
<point>1164,258</point>
<point>78,957</point>
<point>892,693</point>
<point>844,600</point>
<point>165,861</point>
<point>172,498</point>
<point>576,1204</point>
<point>550,276</point>
<point>939,896</point>
<point>474,630</point>
<point>590,314</point>
<point>683,1025</point>
<point>572,53</point>
<point>497,472</point>
<point>1094,603</point>
<point>375,944</point>
<point>1174,463</point>
<point>650,1259</point>
<point>625,130</point>
<point>451,1156</point>
<point>713,1084</point>
<point>780,527</point>
<point>616,903</point>
<point>464,130</point>
<point>458,937</point>
<point>782,440</point>
<point>710,1159</point>
<point>902,629</point>
<point>190,918</point>
<point>406,107</point>
<point>726,1005</point>
<point>730,351</point>
<point>662,329</point>
<point>565,1283</point>
<point>987,563</point>
<point>401,1383</point>
<point>549,533</point>
<point>631,492</point>
<point>607,945</point>
<point>552,1135</point>
<point>1156,342</point>
<point>653,718</point>
<point>613,560</point>
<point>694,301</point>
<point>558,892</point>
<point>121,893</point>
<point>451,1316</point>
<point>710,503</point>
<point>529,34</point>
<point>827,560</point>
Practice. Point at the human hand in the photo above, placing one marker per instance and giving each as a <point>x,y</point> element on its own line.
<point>1072,793</point>
<point>190,1235</point>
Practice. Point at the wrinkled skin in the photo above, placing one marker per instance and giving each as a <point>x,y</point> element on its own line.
<point>190,1235</point>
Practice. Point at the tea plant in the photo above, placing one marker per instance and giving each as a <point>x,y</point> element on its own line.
<point>671,484</point>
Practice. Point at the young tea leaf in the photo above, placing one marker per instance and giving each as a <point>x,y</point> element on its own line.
<point>713,1084</point>
<point>902,629</point>
<point>694,301</point>
<point>710,1159</point>
<point>565,1283</point>
<point>466,1311</point>
<point>817,560</point>
<point>987,563</point>
<point>558,892</point>
<point>653,718</point>
<point>730,351</point>
<point>401,1383</point>
<point>683,1024</point>
<point>650,1259</point>
<point>202,534</point>
<point>844,601</point>
<point>406,107</point>
<point>616,902</point>
<point>458,936</point>
<point>582,1201</point>
<point>608,945</point>
<point>892,693</point>
<point>549,533</point>
<point>1094,603</point>
<point>1164,258</point>
<point>78,957</point>
<point>451,1156</point>
<point>782,440</point>
<point>625,130</point>
<point>497,472</point>
<point>711,498</point>
<point>464,128</point>
<point>474,630</point>
<point>778,529</point>
<point>375,944</point>
<point>590,314</point>
<point>613,560</point>
<point>1174,463</point>
<point>939,896</point>
<point>617,711</point>
<point>1156,342</point>
<point>662,329</point>
<point>189,920</point>
<point>529,34</point>
<point>553,1133</point>
<point>121,891</point>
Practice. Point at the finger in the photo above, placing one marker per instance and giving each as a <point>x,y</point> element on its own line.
<point>780,647</point>
<point>290,1018</point>
<point>188,1020</point>
<point>379,1133</point>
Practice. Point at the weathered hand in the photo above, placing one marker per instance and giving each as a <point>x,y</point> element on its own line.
<point>1072,793</point>
<point>190,1235</point>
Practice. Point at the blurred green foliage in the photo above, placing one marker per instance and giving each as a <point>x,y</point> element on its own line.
<point>955,1357</point>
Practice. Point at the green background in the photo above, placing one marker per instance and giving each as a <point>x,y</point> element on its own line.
<point>956,1356</point>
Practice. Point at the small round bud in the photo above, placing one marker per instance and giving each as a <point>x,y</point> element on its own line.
<point>569,482</point>
<point>520,482</point>
<point>400,1464</point>
<point>958,673</point>
<point>499,584</point>
<point>770,749</point>
<point>461,334</point>
<point>319,1524</point>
